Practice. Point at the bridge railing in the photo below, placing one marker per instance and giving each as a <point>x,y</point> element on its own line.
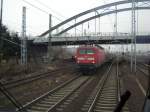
<point>89,36</point>
<point>95,34</point>
<point>92,36</point>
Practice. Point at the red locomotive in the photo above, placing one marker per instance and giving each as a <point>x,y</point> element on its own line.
<point>89,57</point>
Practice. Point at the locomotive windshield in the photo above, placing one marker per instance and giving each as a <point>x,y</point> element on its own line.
<point>86,51</point>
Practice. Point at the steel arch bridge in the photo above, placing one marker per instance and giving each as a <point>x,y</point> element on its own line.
<point>101,11</point>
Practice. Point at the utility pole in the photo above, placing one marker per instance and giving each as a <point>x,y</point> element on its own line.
<point>99,26</point>
<point>96,12</point>
<point>1,16</point>
<point>133,43</point>
<point>49,40</point>
<point>75,29</point>
<point>1,40</point>
<point>82,30</point>
<point>24,38</point>
<point>116,22</point>
<point>95,23</point>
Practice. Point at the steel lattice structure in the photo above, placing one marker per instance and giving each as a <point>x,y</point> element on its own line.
<point>102,11</point>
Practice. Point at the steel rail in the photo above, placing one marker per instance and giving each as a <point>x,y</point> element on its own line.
<point>29,79</point>
<point>119,88</point>
<point>107,95</point>
<point>68,95</point>
<point>144,65</point>
<point>101,84</point>
<point>56,100</point>
<point>118,83</point>
<point>90,99</point>
<point>47,94</point>
<point>138,68</point>
<point>147,65</point>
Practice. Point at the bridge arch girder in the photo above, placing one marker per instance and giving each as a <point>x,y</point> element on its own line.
<point>101,15</point>
<point>89,11</point>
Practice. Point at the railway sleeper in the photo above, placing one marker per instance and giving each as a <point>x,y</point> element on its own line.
<point>46,102</point>
<point>38,108</point>
<point>107,95</point>
<point>107,104</point>
<point>44,105</point>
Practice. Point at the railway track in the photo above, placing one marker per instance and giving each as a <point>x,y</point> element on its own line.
<point>103,98</point>
<point>26,80</point>
<point>143,65</point>
<point>107,96</point>
<point>63,106</point>
<point>141,70</point>
<point>51,99</point>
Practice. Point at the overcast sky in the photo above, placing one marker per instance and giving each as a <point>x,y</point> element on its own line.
<point>37,21</point>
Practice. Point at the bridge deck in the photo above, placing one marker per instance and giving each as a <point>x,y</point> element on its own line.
<point>92,40</point>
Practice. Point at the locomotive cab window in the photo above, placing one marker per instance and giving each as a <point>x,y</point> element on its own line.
<point>86,51</point>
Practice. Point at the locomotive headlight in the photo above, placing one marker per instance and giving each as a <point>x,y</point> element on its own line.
<point>81,58</point>
<point>90,58</point>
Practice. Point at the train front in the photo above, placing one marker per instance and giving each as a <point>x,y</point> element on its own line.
<point>86,58</point>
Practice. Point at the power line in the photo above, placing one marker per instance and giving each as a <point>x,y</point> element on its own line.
<point>43,10</point>
<point>109,17</point>
<point>35,7</point>
<point>53,11</point>
<point>40,9</point>
<point>50,8</point>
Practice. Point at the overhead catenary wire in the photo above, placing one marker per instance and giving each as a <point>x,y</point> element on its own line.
<point>36,7</point>
<point>109,17</point>
<point>54,12</point>
<point>46,12</point>
<point>50,8</point>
